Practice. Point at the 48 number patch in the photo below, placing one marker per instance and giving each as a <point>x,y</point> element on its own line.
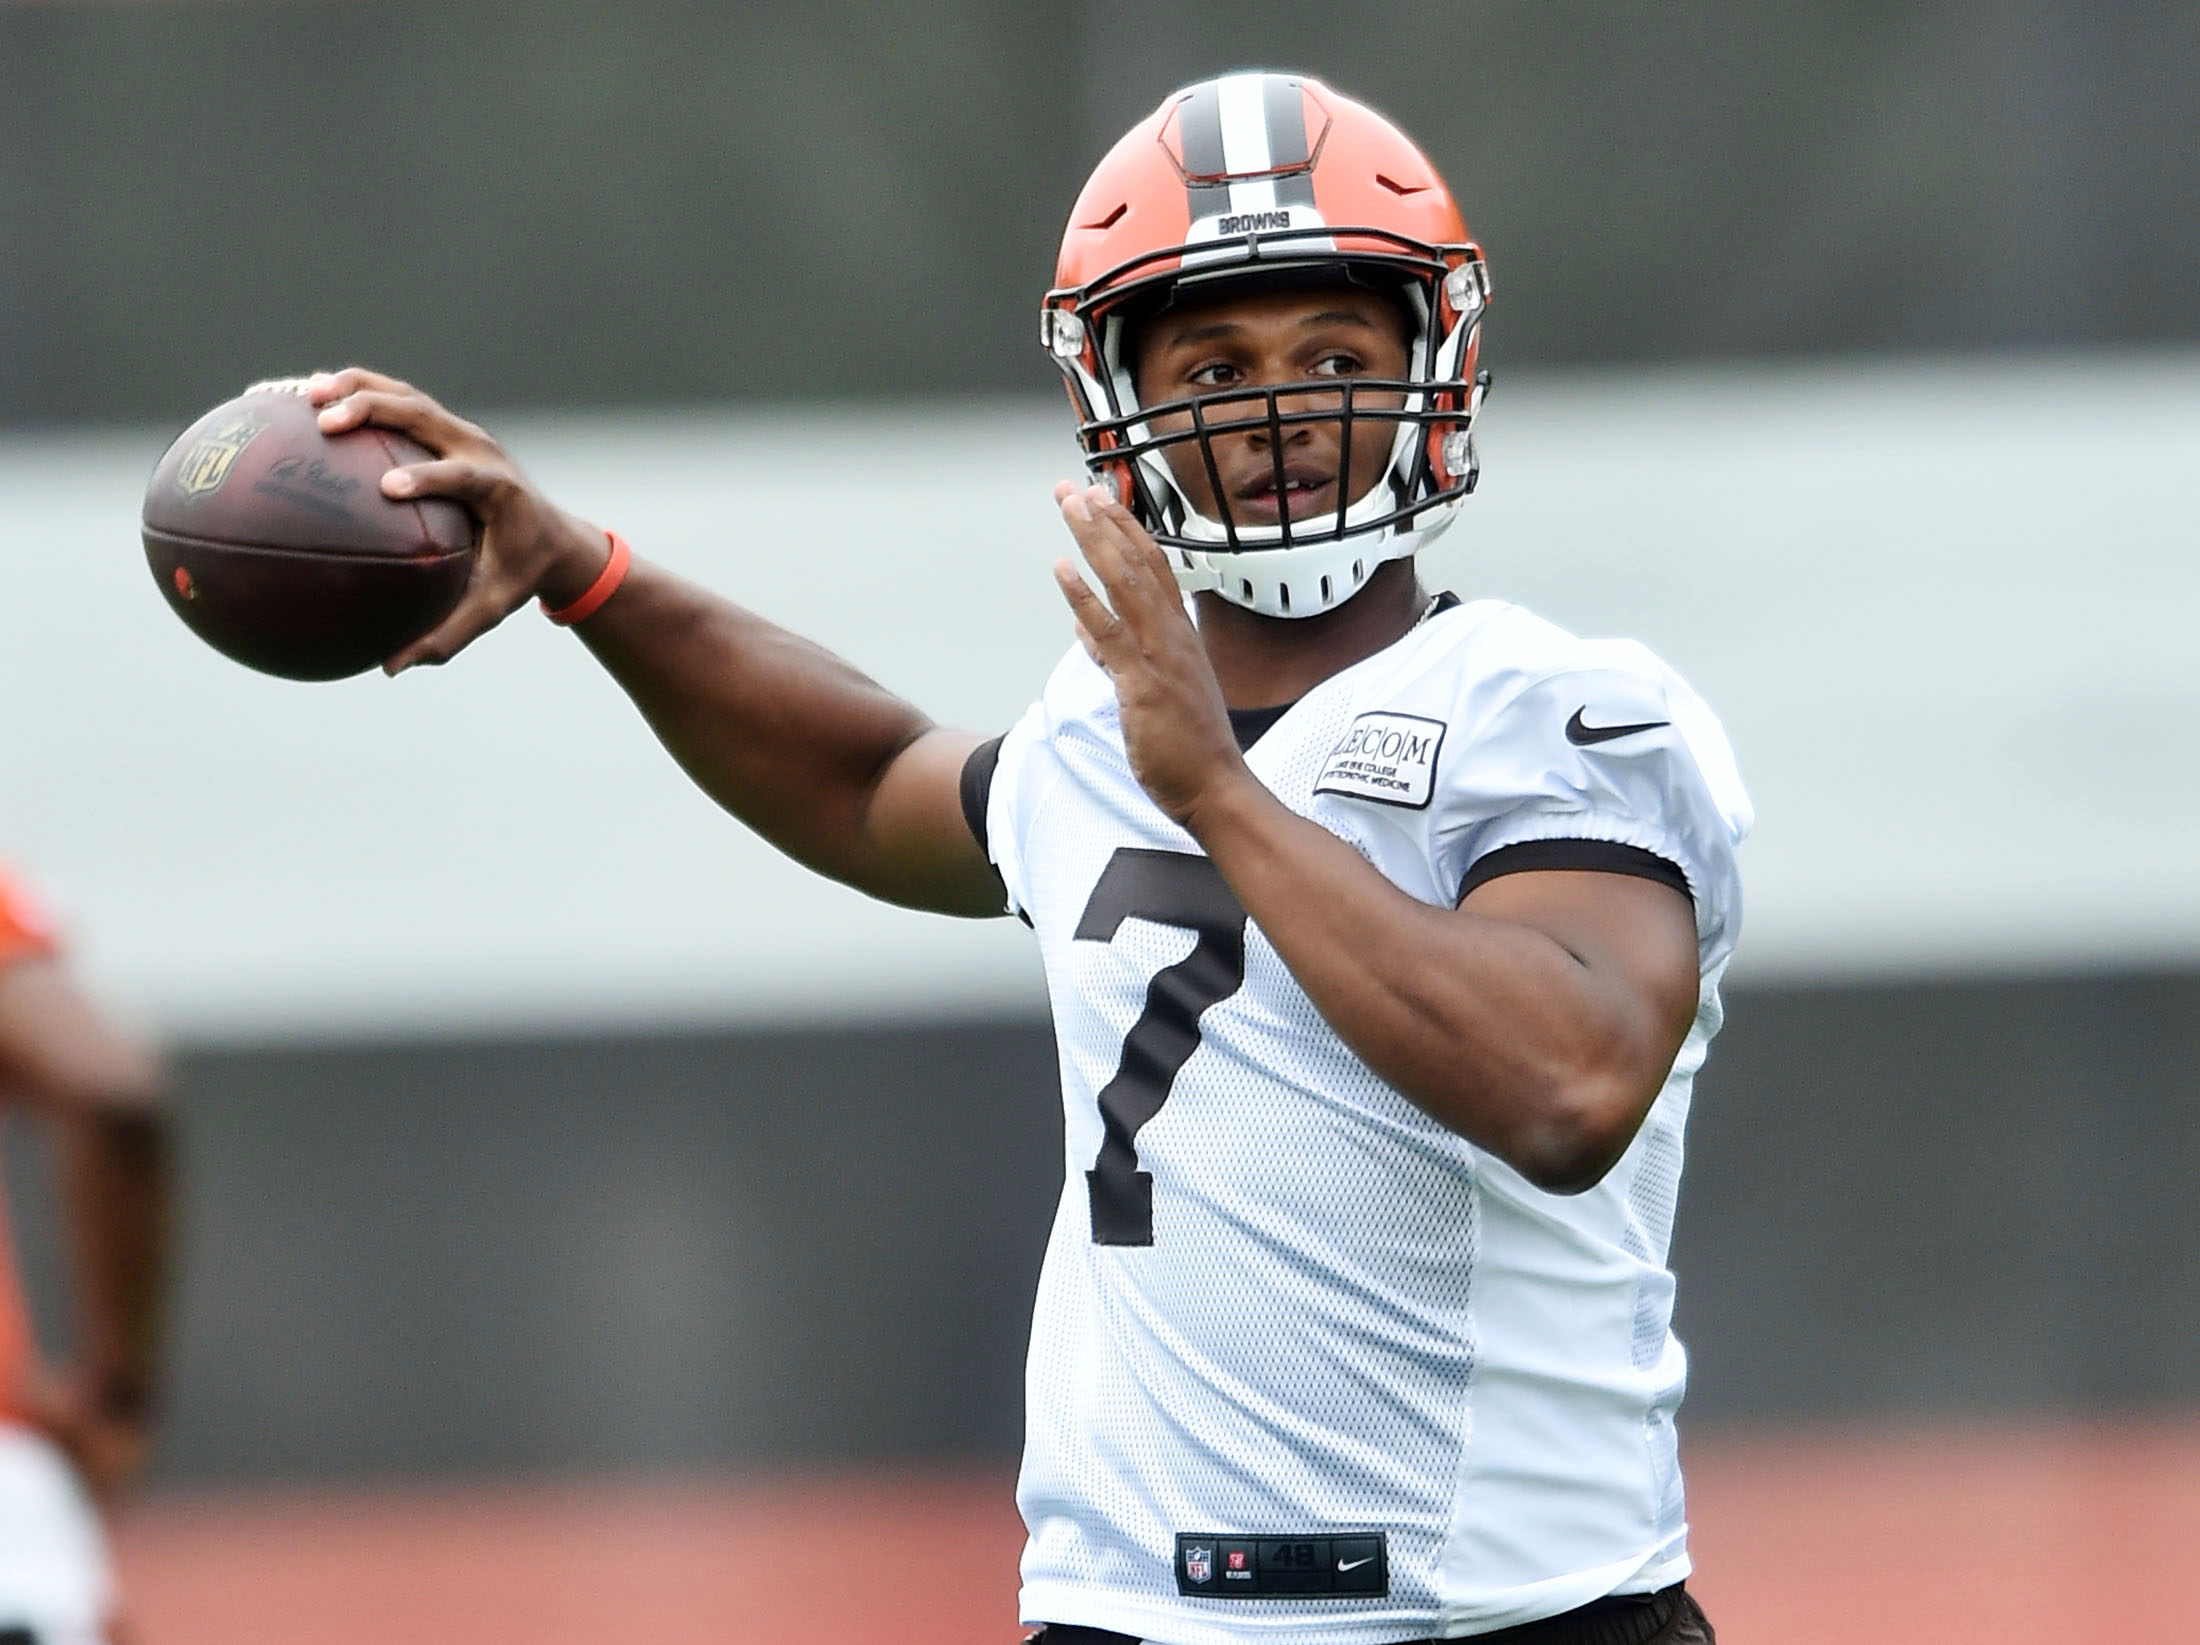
<point>1211,1566</point>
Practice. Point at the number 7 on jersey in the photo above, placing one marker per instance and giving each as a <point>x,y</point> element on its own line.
<point>1186,891</point>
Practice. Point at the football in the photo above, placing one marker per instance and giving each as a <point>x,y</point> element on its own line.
<point>275,545</point>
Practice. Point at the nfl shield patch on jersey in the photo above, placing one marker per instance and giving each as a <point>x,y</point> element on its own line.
<point>1313,1566</point>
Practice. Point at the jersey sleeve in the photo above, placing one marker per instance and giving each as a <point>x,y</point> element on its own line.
<point>25,930</point>
<point>1617,754</point>
<point>976,790</point>
<point>1000,815</point>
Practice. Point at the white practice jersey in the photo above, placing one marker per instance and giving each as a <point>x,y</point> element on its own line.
<point>1307,1366</point>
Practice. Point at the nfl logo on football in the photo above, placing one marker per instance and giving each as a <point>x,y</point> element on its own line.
<point>1199,1564</point>
<point>207,464</point>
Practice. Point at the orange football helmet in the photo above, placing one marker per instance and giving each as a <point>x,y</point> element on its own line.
<point>1259,176</point>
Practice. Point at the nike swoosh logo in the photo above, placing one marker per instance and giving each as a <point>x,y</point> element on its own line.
<point>1354,1564</point>
<point>1581,735</point>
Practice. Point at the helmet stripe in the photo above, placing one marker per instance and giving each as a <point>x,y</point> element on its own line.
<point>1247,127</point>
<point>1284,108</point>
<point>1199,133</point>
<point>1257,124</point>
<point>1245,141</point>
<point>1244,114</point>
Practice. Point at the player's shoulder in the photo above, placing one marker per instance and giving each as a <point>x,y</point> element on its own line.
<point>1076,706</point>
<point>1485,665</point>
<point>1526,691</point>
<point>1078,691</point>
<point>1493,651</point>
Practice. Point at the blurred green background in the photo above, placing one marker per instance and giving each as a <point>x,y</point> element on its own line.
<point>580,202</point>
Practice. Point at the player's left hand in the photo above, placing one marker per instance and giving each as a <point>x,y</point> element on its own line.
<point>1175,726</point>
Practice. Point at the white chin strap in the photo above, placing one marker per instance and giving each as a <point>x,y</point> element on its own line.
<point>1305,579</point>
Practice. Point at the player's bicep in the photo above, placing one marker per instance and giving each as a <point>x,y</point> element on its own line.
<point>1634,939</point>
<point>918,825</point>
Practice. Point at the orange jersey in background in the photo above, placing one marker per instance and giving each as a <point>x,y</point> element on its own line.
<point>25,933</point>
<point>24,927</point>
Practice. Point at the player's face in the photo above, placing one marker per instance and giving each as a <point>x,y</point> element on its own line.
<point>1304,337</point>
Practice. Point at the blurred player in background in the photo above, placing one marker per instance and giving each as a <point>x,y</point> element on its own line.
<point>71,1441</point>
<point>1383,930</point>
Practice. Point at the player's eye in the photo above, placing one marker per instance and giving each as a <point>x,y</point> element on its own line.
<point>1214,374</point>
<point>1339,364</point>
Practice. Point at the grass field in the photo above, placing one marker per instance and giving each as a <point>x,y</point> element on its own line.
<point>2016,1535</point>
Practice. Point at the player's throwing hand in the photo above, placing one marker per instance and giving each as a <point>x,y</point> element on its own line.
<point>529,546</point>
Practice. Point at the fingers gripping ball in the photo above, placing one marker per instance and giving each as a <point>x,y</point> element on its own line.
<point>275,545</point>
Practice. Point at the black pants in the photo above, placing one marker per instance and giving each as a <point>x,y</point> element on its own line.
<point>1670,1616</point>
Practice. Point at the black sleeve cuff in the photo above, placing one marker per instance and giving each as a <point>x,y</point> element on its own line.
<point>1580,856</point>
<point>977,789</point>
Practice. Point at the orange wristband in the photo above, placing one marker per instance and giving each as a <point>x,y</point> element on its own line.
<point>606,584</point>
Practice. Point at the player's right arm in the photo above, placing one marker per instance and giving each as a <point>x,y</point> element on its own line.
<point>830,767</point>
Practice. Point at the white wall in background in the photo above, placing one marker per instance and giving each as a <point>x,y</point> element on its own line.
<point>1947,610</point>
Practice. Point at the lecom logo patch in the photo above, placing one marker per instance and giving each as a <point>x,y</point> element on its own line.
<point>1388,758</point>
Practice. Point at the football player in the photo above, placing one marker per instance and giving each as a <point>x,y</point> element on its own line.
<point>69,1444</point>
<point>1383,929</point>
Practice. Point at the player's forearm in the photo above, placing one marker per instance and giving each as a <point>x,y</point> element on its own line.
<point>115,1163</point>
<point>1490,1027</point>
<point>777,730</point>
